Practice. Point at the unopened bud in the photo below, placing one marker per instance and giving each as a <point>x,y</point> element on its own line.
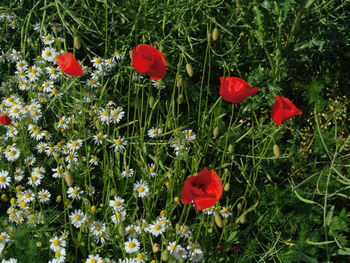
<point>77,43</point>
<point>231,148</point>
<point>276,151</point>
<point>151,102</point>
<point>215,34</point>
<point>218,220</point>
<point>121,230</point>
<point>179,82</point>
<point>227,187</point>
<point>216,132</point>
<point>189,70</point>
<point>68,178</point>
<point>165,255</point>
<point>155,247</point>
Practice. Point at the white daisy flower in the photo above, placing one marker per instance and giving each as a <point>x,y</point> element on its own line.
<point>118,217</point>
<point>117,55</point>
<point>119,144</point>
<point>19,174</point>
<point>157,84</point>
<point>98,139</point>
<point>132,245</point>
<point>155,229</point>
<point>48,39</point>
<point>12,153</point>
<point>225,212</point>
<point>28,196</point>
<point>90,190</point>
<point>75,145</point>
<point>184,231</point>
<point>94,160</point>
<point>53,72</point>
<point>180,253</point>
<point>208,211</point>
<point>171,247</point>
<point>48,54</point>
<point>60,255</point>
<point>116,114</point>
<point>141,188</point>
<point>152,170</point>
<point>77,218</point>
<point>128,172</point>
<point>97,62</point>
<point>97,228</point>
<point>189,135</point>
<point>92,83</point>
<point>34,73</point>
<point>141,258</point>
<point>94,259</point>
<point>133,230</point>
<point>37,27</point>
<point>154,132</point>
<point>196,255</point>
<point>5,179</point>
<point>117,204</point>
<point>74,192</point>
<point>30,160</point>
<point>57,243</point>
<point>44,196</point>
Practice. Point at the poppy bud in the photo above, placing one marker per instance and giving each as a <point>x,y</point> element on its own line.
<point>77,43</point>
<point>227,187</point>
<point>121,230</point>
<point>215,34</point>
<point>189,70</point>
<point>165,255</point>
<point>137,102</point>
<point>151,102</point>
<point>216,132</point>
<point>241,219</point>
<point>218,220</point>
<point>231,148</point>
<point>239,206</point>
<point>155,247</point>
<point>179,82</point>
<point>68,178</point>
<point>276,151</point>
<point>180,99</point>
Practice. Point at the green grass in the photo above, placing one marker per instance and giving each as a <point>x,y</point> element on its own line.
<point>291,207</point>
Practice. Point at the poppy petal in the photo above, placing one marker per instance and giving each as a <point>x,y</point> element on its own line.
<point>69,65</point>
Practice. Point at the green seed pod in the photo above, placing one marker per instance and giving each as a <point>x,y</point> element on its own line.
<point>276,151</point>
<point>180,99</point>
<point>179,82</point>
<point>227,187</point>
<point>68,178</point>
<point>216,132</point>
<point>155,248</point>
<point>121,230</point>
<point>165,255</point>
<point>152,101</point>
<point>215,34</point>
<point>218,220</point>
<point>77,43</point>
<point>189,70</point>
<point>231,148</point>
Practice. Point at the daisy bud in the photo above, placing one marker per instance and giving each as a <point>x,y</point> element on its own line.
<point>189,70</point>
<point>231,148</point>
<point>68,178</point>
<point>4,197</point>
<point>215,34</point>
<point>151,102</point>
<point>276,151</point>
<point>121,230</point>
<point>216,132</point>
<point>180,81</point>
<point>155,248</point>
<point>165,255</point>
<point>13,201</point>
<point>58,198</point>
<point>77,43</point>
<point>227,187</point>
<point>218,220</point>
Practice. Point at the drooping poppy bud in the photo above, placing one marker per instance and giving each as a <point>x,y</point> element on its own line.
<point>69,65</point>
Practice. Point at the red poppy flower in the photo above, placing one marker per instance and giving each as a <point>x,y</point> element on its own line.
<point>235,89</point>
<point>5,120</point>
<point>69,65</point>
<point>283,109</point>
<point>149,60</point>
<point>203,189</point>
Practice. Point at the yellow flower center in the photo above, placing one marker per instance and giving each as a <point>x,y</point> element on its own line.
<point>156,227</point>
<point>139,256</point>
<point>117,203</point>
<point>2,179</point>
<point>77,217</point>
<point>56,242</point>
<point>74,143</point>
<point>47,38</point>
<point>154,131</point>
<point>131,245</point>
<point>141,189</point>
<point>12,153</point>
<point>43,195</point>
<point>118,142</point>
<point>75,191</point>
